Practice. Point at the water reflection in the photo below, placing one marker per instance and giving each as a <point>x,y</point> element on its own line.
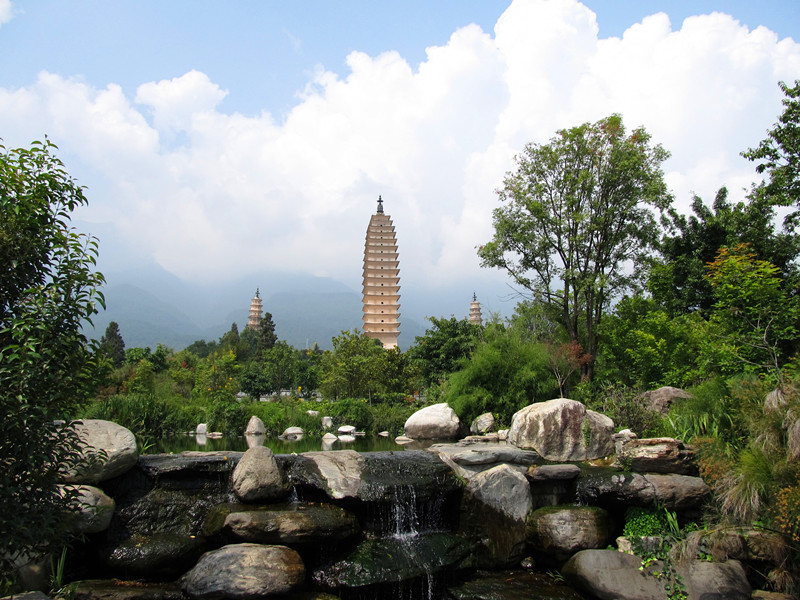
<point>202,443</point>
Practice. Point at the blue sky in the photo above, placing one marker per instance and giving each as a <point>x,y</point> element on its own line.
<point>217,138</point>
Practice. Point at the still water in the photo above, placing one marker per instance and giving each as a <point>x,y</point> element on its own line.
<point>181,443</point>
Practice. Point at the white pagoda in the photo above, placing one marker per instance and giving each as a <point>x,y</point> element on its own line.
<point>381,292</point>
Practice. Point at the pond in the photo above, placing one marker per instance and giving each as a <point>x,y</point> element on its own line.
<point>181,443</point>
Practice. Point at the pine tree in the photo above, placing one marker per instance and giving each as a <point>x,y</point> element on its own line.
<point>112,345</point>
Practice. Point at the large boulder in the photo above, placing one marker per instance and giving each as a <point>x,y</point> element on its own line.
<point>562,430</point>
<point>391,560</point>
<point>436,422</point>
<point>661,399</point>
<point>561,531</point>
<point>657,455</point>
<point>255,426</point>
<point>107,450</point>
<point>612,575</point>
<point>244,572</point>
<point>610,489</point>
<point>495,505</point>
<point>304,523</point>
<point>258,477</point>
<point>482,424</point>
<point>93,508</point>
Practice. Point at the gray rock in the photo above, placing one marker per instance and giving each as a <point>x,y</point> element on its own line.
<point>94,508</point>
<point>657,455</point>
<point>293,432</point>
<point>608,574</point>
<point>661,400</point>
<point>482,424</point>
<point>472,458</point>
<point>289,524</point>
<point>493,511</point>
<point>202,429</point>
<point>255,426</point>
<point>327,422</point>
<point>110,450</point>
<point>337,473</point>
<point>561,531</point>
<point>347,429</point>
<point>329,437</point>
<point>347,439</point>
<point>621,438</point>
<point>608,488</point>
<point>244,572</point>
<point>436,422</point>
<point>562,430</point>
<point>376,561</point>
<point>553,472</point>
<point>258,477</point>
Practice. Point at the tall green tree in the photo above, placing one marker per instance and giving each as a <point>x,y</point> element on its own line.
<point>112,344</point>
<point>354,368</point>
<point>778,155</point>
<point>576,215</point>
<point>48,291</point>
<point>446,344</point>
<point>679,283</point>
<point>266,333</point>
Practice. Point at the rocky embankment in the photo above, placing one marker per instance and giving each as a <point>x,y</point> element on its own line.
<point>482,517</point>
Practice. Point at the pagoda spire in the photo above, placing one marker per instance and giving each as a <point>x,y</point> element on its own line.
<point>381,280</point>
<point>254,320</point>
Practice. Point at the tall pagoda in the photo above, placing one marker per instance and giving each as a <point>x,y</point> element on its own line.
<point>475,311</point>
<point>381,280</point>
<point>254,320</point>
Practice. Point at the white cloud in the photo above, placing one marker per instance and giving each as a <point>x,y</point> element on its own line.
<point>215,194</point>
<point>7,11</point>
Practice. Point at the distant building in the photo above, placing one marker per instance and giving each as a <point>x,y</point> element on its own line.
<point>381,280</point>
<point>254,320</point>
<point>475,311</point>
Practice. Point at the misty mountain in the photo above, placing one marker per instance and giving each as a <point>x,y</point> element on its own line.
<point>152,306</point>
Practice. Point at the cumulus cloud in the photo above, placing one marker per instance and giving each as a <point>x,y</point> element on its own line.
<point>214,194</point>
<point>7,11</point>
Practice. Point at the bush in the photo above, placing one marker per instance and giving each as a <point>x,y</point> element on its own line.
<point>352,411</point>
<point>625,406</point>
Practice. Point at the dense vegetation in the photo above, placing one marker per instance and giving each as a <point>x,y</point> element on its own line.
<point>623,295</point>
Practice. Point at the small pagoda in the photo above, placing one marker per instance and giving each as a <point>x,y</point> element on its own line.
<point>475,311</point>
<point>254,320</point>
<point>381,291</point>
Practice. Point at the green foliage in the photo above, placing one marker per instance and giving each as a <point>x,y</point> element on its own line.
<point>576,215</point>
<point>354,368</point>
<point>757,316</point>
<point>645,522</point>
<point>709,412</point>
<point>679,284</point>
<point>351,411</point>
<point>503,375</point>
<point>147,416</point>
<point>112,344</point>
<point>627,407</point>
<point>643,347</point>
<point>48,291</point>
<point>444,347</point>
<point>778,155</point>
<point>266,333</point>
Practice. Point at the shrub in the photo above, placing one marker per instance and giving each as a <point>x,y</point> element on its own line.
<point>352,411</point>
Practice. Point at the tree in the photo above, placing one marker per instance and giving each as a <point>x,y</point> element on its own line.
<point>112,345</point>
<point>48,291</point>
<point>778,155</point>
<point>760,319</point>
<point>444,345</point>
<point>576,221</point>
<point>679,284</point>
<point>266,333</point>
<point>354,368</point>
